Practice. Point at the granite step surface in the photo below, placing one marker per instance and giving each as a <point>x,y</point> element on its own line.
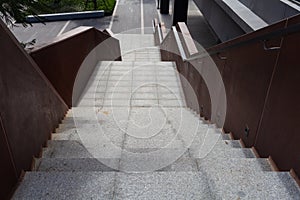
<point>75,149</point>
<point>158,185</point>
<point>184,163</point>
<point>230,184</point>
<point>234,164</point>
<point>72,134</point>
<point>74,165</point>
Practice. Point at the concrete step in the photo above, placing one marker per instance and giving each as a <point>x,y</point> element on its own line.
<point>103,66</point>
<point>68,127</point>
<point>161,139</point>
<point>65,149</point>
<point>73,135</point>
<point>68,135</point>
<point>231,184</point>
<point>234,164</point>
<point>66,185</point>
<point>112,185</point>
<point>74,164</point>
<point>184,163</point>
<point>157,185</point>
<point>75,149</point>
<point>100,164</point>
<point>225,136</point>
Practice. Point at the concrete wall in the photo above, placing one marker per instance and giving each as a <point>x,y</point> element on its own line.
<point>232,18</point>
<point>272,11</point>
<point>223,25</point>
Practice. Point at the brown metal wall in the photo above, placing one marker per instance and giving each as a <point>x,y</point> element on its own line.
<point>61,59</point>
<point>279,134</point>
<point>30,109</point>
<point>8,173</point>
<point>262,89</point>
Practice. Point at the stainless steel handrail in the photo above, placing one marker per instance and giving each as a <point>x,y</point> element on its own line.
<point>159,34</point>
<point>279,33</point>
<point>179,44</point>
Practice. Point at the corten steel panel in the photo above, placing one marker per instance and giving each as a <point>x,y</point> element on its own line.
<point>204,97</point>
<point>203,93</point>
<point>30,107</point>
<point>60,61</point>
<point>246,77</point>
<point>247,70</point>
<point>279,134</point>
<point>7,171</point>
<point>195,80</point>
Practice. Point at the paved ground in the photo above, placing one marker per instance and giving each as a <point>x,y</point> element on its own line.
<point>199,28</point>
<point>139,13</point>
<point>46,32</point>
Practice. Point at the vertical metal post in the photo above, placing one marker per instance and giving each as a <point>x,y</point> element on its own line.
<point>180,11</point>
<point>164,6</point>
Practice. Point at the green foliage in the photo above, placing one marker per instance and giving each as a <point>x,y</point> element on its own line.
<point>58,6</point>
<point>17,10</point>
<point>26,44</point>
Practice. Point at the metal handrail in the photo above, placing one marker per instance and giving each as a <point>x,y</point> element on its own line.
<point>179,44</point>
<point>157,26</point>
<point>295,2</point>
<point>153,25</point>
<point>159,34</point>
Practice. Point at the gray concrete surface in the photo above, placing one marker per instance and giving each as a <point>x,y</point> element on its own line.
<point>199,28</point>
<point>126,19</point>
<point>46,32</point>
<point>233,18</point>
<point>273,11</point>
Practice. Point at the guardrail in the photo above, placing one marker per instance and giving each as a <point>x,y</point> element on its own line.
<point>261,77</point>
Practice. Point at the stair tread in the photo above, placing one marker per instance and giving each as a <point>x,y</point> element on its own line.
<point>75,149</point>
<point>182,164</point>
<point>157,185</point>
<point>74,164</point>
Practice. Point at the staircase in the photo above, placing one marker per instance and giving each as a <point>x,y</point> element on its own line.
<point>131,136</point>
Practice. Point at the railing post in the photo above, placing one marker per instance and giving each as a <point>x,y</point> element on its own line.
<point>180,11</point>
<point>164,6</point>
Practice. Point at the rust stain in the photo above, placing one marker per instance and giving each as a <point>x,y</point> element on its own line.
<point>105,112</point>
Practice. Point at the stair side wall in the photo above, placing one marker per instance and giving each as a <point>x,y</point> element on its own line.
<point>30,110</point>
